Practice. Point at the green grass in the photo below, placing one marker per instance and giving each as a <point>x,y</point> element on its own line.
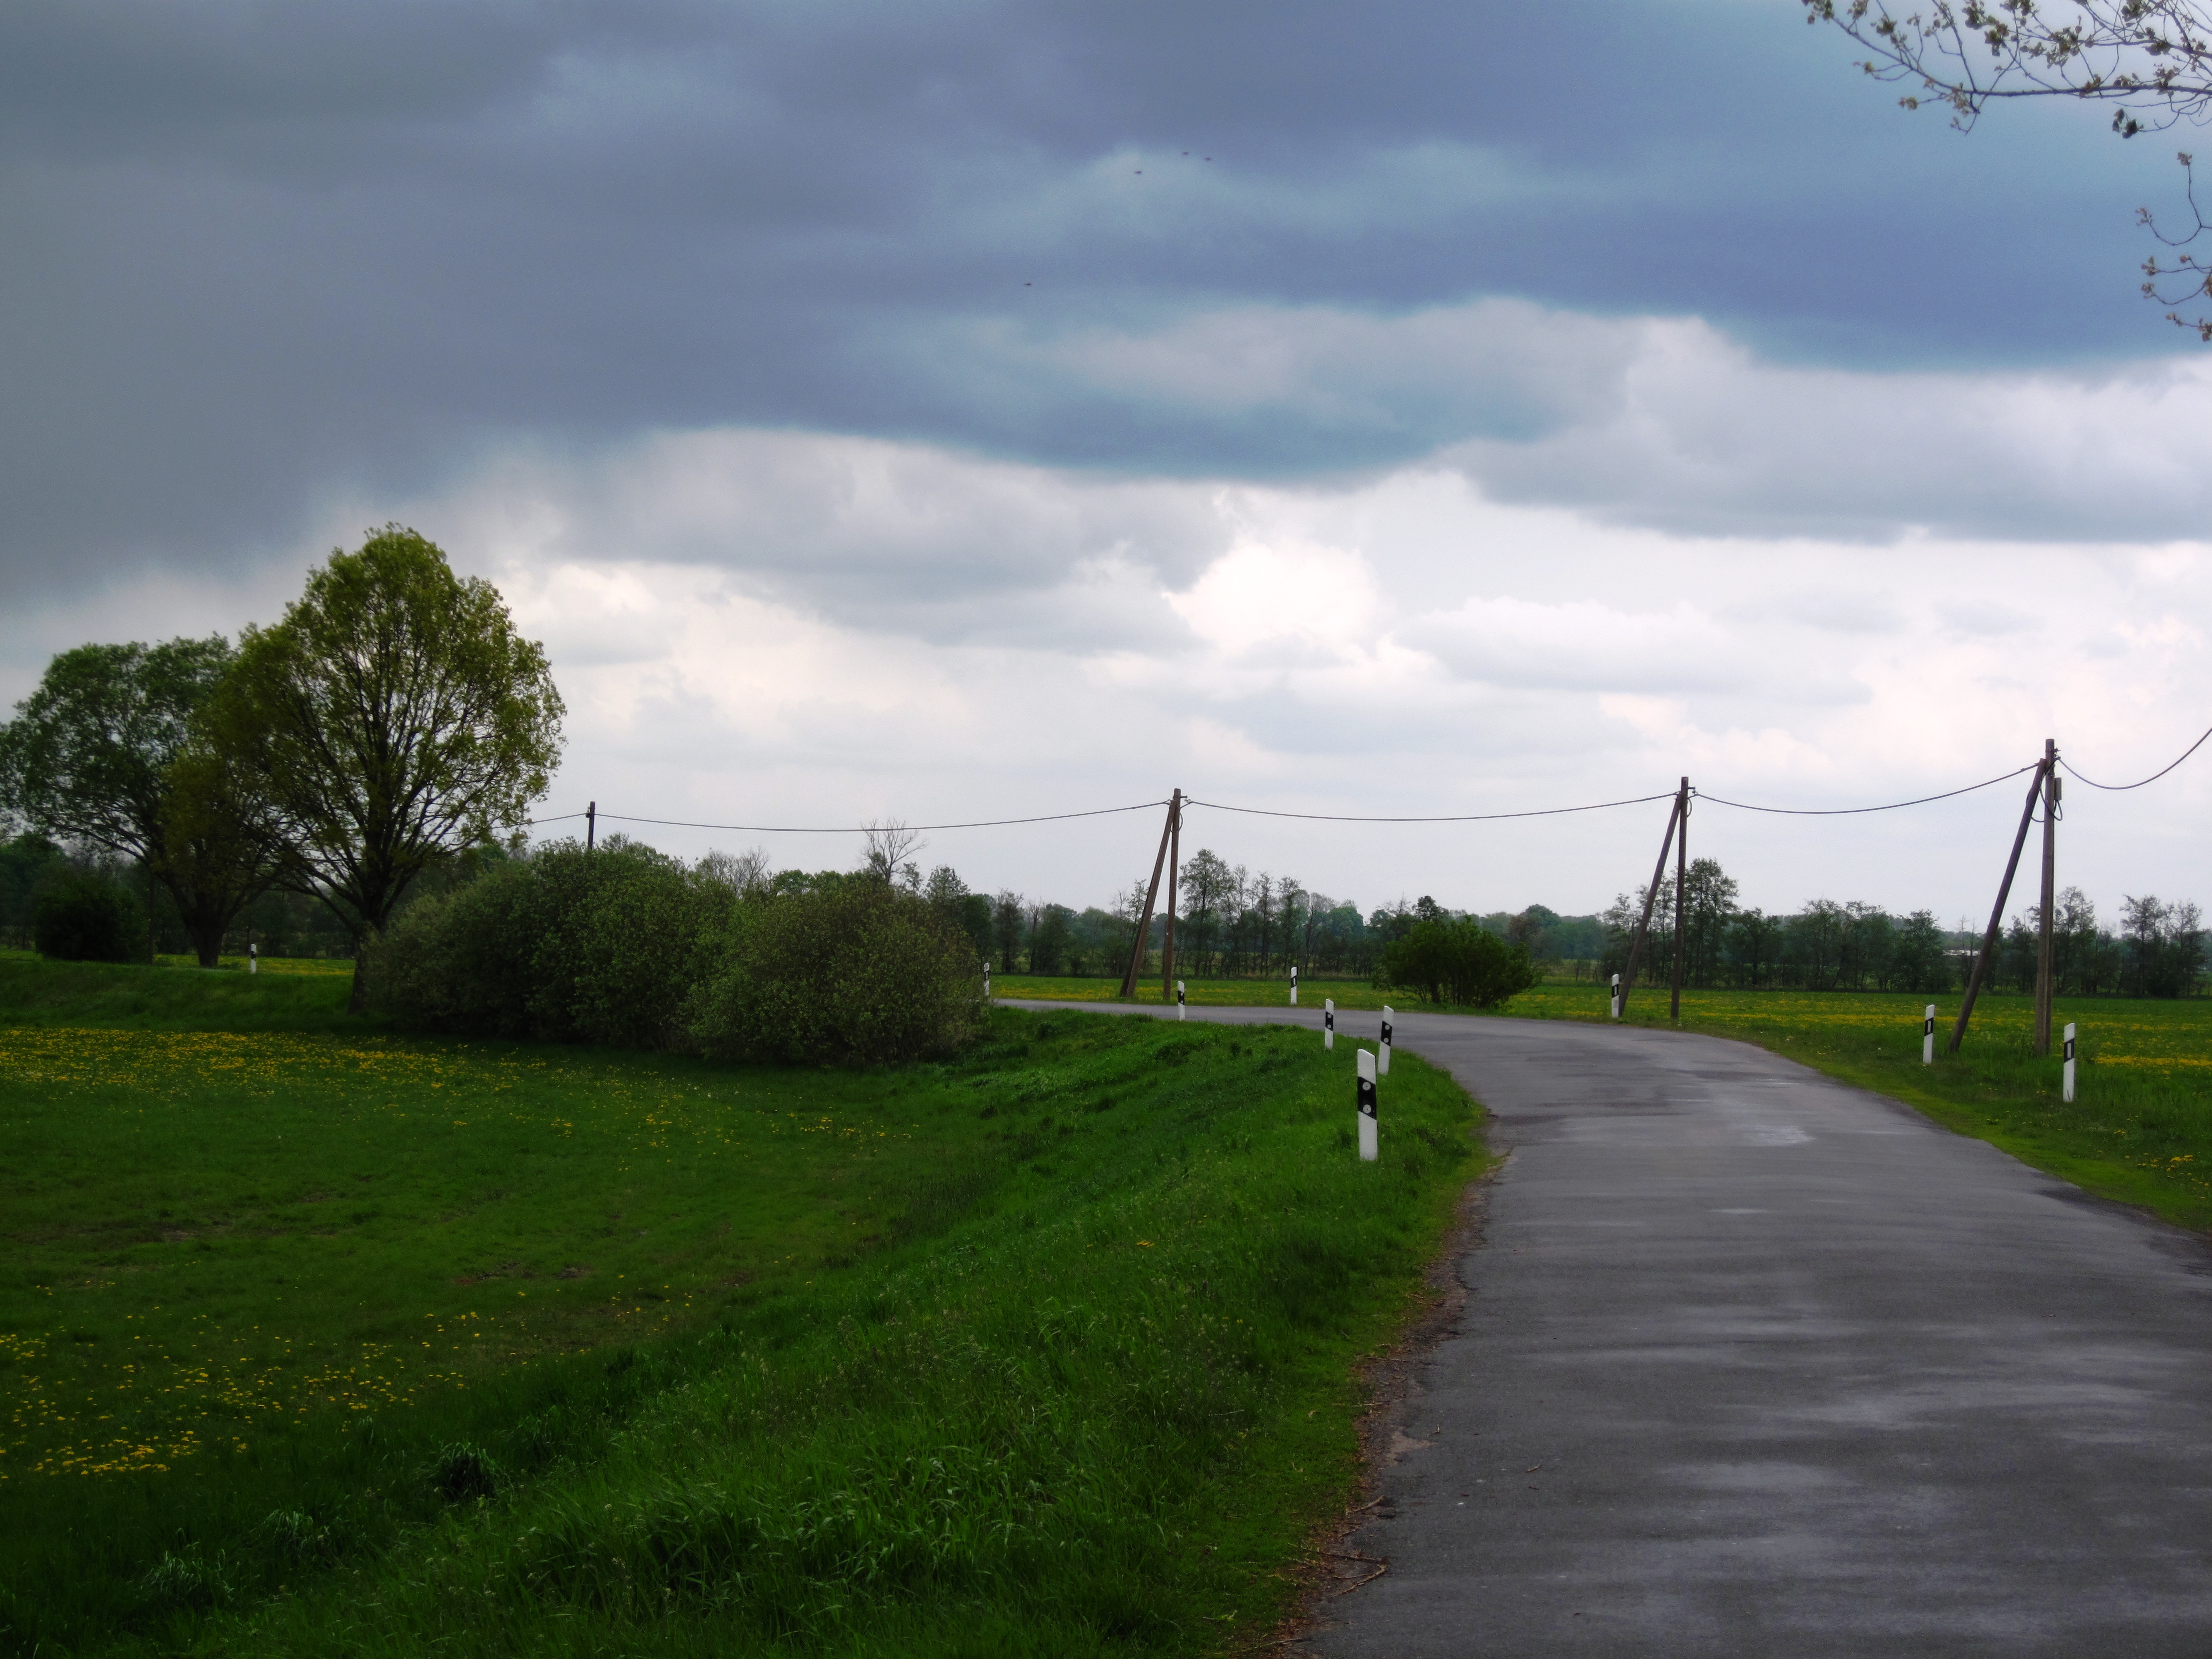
<point>2139,1129</point>
<point>332,1341</point>
<point>284,996</point>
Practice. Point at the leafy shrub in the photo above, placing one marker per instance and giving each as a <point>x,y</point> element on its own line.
<point>81,915</point>
<point>1455,960</point>
<point>604,946</point>
<point>463,961</point>
<point>850,971</point>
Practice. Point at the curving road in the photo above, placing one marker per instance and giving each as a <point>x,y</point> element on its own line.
<point>1757,1364</point>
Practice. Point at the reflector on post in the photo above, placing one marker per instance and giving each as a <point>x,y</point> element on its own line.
<point>1369,1138</point>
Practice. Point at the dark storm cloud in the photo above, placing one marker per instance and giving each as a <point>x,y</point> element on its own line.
<point>262,256</point>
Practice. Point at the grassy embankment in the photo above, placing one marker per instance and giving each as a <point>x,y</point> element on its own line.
<point>2139,1129</point>
<point>316,1339</point>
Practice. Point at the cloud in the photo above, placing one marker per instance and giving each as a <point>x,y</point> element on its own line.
<point>902,537</point>
<point>747,630</point>
<point>262,261</point>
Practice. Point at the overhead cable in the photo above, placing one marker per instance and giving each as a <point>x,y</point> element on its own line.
<point>2117,789</point>
<point>1848,812</point>
<point>853,829</point>
<point>1461,817</point>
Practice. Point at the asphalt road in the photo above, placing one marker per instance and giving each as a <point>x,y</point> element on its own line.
<point>1756,1364</point>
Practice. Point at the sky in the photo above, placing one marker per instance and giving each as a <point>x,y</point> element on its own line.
<point>955,411</point>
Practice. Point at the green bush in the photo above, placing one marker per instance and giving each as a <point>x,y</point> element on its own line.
<point>1455,960</point>
<point>629,934</point>
<point>81,915</point>
<point>462,962</point>
<point>606,946</point>
<point>853,970</point>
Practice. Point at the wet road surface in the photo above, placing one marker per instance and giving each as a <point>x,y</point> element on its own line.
<point>1757,1364</point>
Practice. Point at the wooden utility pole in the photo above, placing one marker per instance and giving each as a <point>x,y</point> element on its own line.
<point>1650,897</point>
<point>1145,920</point>
<point>1175,857</point>
<point>591,823</point>
<point>1996,914</point>
<point>1681,890</point>
<point>2045,963</point>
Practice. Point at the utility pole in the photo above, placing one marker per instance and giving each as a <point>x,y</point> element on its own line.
<point>591,821</point>
<point>1650,897</point>
<point>1996,914</point>
<point>1681,890</point>
<point>2045,963</point>
<point>1175,857</point>
<point>1129,990</point>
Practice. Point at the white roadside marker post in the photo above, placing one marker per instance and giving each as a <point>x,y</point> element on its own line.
<point>987,979</point>
<point>1616,996</point>
<point>1294,985</point>
<point>1328,1022</point>
<point>1369,1140</point>
<point>1928,1037</point>
<point>1181,1011</point>
<point>2069,1091</point>
<point>252,959</point>
<point>1383,1057</point>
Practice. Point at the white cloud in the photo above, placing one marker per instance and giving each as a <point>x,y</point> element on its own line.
<point>1398,645</point>
<point>775,627</point>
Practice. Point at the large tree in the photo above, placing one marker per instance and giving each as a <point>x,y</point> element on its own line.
<point>2151,60</point>
<point>98,754</point>
<point>392,719</point>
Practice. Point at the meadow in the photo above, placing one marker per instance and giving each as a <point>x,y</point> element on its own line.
<point>2139,1129</point>
<point>315,1338</point>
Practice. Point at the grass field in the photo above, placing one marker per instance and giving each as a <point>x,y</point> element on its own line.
<point>2139,1129</point>
<point>318,1340</point>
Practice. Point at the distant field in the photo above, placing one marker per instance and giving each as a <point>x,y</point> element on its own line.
<point>269,964</point>
<point>176,996</point>
<point>321,1342</point>
<point>2139,1131</point>
<point>1212,992</point>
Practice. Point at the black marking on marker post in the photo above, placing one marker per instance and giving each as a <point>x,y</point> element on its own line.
<point>1366,1098</point>
<point>2070,1045</point>
<point>1927,1026</point>
<point>1328,1019</point>
<point>1386,1033</point>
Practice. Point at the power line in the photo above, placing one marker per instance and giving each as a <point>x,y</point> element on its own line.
<point>851,828</point>
<point>1331,817</point>
<point>1463,818</point>
<point>2118,788</point>
<point>1848,812</point>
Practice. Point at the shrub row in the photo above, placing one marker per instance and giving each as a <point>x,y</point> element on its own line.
<point>629,948</point>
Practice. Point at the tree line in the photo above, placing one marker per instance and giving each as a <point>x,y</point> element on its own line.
<point>391,727</point>
<point>1231,922</point>
<point>2157,950</point>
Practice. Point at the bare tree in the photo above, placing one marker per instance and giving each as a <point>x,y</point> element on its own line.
<point>2150,60</point>
<point>747,871</point>
<point>888,849</point>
